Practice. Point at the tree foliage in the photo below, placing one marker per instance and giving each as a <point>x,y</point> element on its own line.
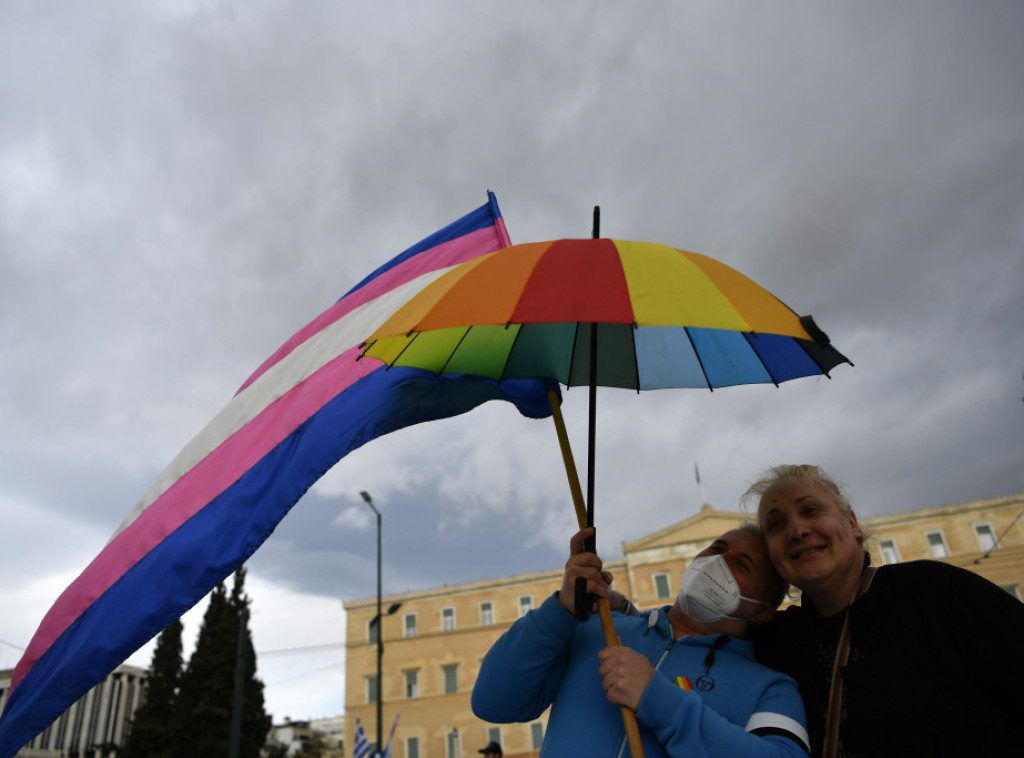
<point>188,712</point>
<point>206,700</point>
<point>152,733</point>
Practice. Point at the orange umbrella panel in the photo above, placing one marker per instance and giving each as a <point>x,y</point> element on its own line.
<point>665,318</point>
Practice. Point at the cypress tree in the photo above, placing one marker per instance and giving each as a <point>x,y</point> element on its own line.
<point>207,694</point>
<point>152,732</point>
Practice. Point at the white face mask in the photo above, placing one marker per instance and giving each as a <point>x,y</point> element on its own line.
<point>709,592</point>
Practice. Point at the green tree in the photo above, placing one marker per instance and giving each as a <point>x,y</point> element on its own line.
<point>206,698</point>
<point>152,731</point>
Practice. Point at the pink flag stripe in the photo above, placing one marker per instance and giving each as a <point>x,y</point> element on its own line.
<point>445,255</point>
<point>192,492</point>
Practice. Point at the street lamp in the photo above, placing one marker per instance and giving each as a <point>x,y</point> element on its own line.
<point>380,631</point>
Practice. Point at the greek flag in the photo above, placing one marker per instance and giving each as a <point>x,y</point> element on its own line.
<point>360,747</point>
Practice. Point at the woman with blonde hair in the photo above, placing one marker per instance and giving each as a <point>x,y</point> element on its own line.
<point>918,658</point>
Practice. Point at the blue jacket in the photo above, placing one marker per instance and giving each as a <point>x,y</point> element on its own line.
<point>549,658</point>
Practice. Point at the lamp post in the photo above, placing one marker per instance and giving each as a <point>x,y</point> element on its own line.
<point>378,621</point>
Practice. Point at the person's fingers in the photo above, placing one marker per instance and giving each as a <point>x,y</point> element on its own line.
<point>578,540</point>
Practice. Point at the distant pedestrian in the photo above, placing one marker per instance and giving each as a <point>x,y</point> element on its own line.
<point>493,748</point>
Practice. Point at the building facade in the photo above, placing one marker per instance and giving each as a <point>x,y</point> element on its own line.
<point>98,721</point>
<point>435,640</point>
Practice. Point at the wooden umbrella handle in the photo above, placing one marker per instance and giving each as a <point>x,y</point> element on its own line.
<point>636,748</point>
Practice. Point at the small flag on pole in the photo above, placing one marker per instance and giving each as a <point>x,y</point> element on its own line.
<point>391,735</point>
<point>360,747</point>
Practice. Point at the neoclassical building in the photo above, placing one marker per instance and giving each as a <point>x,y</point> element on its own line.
<point>434,642</point>
<point>96,722</point>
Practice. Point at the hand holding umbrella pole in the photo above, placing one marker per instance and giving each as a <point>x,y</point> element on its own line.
<point>636,749</point>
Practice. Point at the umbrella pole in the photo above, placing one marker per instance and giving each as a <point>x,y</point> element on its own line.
<point>636,749</point>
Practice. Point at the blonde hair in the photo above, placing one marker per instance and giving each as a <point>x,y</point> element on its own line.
<point>803,471</point>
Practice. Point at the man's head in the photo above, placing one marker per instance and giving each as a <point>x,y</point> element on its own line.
<point>492,749</point>
<point>745,555</point>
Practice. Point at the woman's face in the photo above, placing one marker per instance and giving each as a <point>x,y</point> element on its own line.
<point>812,542</point>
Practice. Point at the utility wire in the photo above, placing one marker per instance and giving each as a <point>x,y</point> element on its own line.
<point>299,650</point>
<point>307,673</point>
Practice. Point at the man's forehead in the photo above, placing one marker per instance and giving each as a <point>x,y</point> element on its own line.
<point>741,541</point>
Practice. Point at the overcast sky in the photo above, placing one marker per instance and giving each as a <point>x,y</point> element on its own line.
<point>184,185</point>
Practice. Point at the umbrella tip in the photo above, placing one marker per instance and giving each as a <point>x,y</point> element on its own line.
<point>597,221</point>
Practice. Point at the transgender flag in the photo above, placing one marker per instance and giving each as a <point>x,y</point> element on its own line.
<point>306,407</point>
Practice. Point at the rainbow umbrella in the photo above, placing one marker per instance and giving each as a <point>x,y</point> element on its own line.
<point>604,312</point>
<point>664,318</point>
<point>608,312</point>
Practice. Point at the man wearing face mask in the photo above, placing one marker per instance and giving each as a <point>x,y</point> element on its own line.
<point>687,669</point>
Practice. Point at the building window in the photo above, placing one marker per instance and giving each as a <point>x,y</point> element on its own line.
<point>937,543</point>
<point>494,734</point>
<point>887,548</point>
<point>986,537</point>
<point>412,684</point>
<point>371,630</point>
<point>536,735</point>
<point>486,613</point>
<point>371,689</point>
<point>451,679</point>
<point>410,625</point>
<point>525,605</point>
<point>661,586</point>
<point>448,619</point>
<point>412,747</point>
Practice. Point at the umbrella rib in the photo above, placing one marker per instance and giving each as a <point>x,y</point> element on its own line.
<point>402,351</point>
<point>747,336</point>
<point>636,362</point>
<point>508,355</point>
<point>572,354</point>
<point>697,355</point>
<point>454,350</point>
<point>813,359</point>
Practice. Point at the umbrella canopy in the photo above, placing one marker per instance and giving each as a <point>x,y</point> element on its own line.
<point>665,318</point>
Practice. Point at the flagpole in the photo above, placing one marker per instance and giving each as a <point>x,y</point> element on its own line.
<point>380,631</point>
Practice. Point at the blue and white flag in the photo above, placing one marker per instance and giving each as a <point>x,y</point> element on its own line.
<point>360,747</point>
<point>391,736</point>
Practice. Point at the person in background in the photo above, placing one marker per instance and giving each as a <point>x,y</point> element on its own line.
<point>492,749</point>
<point>918,658</point>
<point>685,669</point>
